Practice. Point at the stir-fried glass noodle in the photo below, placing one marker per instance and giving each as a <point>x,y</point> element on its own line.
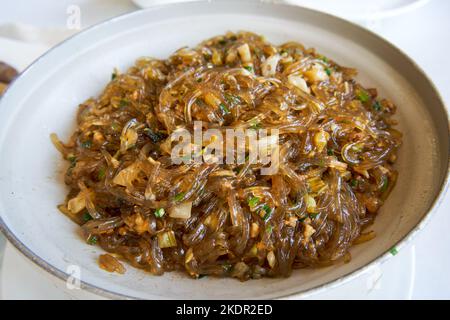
<point>336,150</point>
<point>7,75</point>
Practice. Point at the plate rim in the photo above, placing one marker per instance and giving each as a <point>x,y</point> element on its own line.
<point>438,199</point>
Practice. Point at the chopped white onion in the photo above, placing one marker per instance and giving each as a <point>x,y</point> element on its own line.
<point>181,211</point>
<point>78,203</point>
<point>127,175</point>
<point>299,82</point>
<point>271,259</point>
<point>244,53</point>
<point>269,66</point>
<point>317,73</point>
<point>167,239</point>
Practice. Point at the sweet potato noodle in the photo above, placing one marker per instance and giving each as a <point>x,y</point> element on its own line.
<point>337,147</point>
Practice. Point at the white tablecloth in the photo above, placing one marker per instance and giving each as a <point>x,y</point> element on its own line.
<point>424,34</point>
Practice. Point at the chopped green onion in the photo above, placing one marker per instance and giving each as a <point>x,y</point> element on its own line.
<point>154,136</point>
<point>269,229</point>
<point>268,211</point>
<point>115,126</point>
<point>362,95</point>
<point>73,160</point>
<point>86,217</point>
<point>266,216</point>
<point>377,106</point>
<point>330,152</point>
<point>201,103</point>
<point>113,76</point>
<point>222,42</point>
<point>393,251</point>
<point>248,68</point>
<point>160,212</point>
<point>354,183</point>
<point>227,267</point>
<point>313,215</point>
<point>385,184</point>
<point>328,71</point>
<point>101,173</point>
<point>179,196</point>
<point>92,240</point>
<point>224,108</point>
<point>86,144</point>
<point>123,103</point>
<point>253,201</point>
<point>321,163</point>
<point>199,80</point>
<point>323,58</point>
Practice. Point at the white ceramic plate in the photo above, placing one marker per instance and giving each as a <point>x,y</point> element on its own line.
<point>21,279</point>
<point>45,98</point>
<point>362,10</point>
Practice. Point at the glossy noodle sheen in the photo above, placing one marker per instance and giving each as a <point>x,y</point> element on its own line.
<point>337,147</point>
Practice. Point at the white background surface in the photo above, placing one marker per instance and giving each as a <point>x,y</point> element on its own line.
<point>420,271</point>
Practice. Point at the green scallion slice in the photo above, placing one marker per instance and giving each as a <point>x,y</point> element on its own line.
<point>253,201</point>
<point>376,106</point>
<point>160,212</point>
<point>92,240</point>
<point>393,251</point>
<point>385,184</point>
<point>268,211</point>
<point>224,108</point>
<point>313,215</point>
<point>123,103</point>
<point>86,144</point>
<point>101,173</point>
<point>362,95</point>
<point>86,217</point>
<point>179,196</point>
